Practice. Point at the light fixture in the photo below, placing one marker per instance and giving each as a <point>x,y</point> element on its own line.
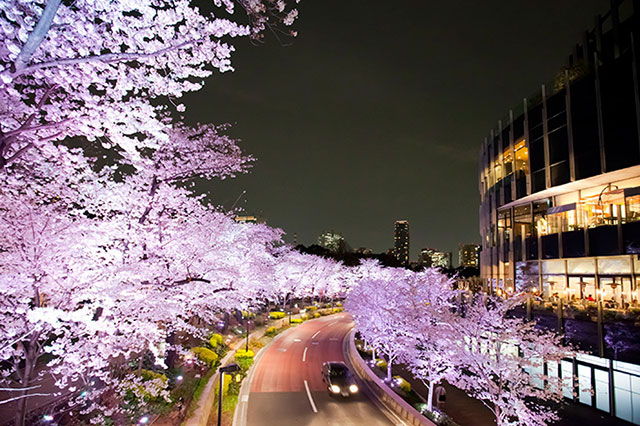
<point>335,388</point>
<point>353,388</point>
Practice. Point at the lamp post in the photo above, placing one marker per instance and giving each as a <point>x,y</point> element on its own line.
<point>231,368</point>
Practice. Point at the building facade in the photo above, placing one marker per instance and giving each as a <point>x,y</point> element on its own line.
<point>559,180</point>
<point>431,258</point>
<point>401,241</point>
<point>333,241</point>
<point>468,255</point>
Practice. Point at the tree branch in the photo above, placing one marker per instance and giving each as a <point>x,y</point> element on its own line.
<point>104,58</point>
<point>37,35</point>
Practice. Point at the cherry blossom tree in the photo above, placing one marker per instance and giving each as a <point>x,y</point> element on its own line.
<point>89,259</point>
<point>428,319</point>
<point>494,355</point>
<point>93,68</point>
<point>372,303</point>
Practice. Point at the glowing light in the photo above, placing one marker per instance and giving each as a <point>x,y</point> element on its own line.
<point>179,378</point>
<point>47,418</point>
<point>143,420</point>
<point>353,388</point>
<point>335,388</point>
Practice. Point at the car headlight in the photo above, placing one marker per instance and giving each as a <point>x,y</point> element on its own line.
<point>335,388</point>
<point>353,388</point>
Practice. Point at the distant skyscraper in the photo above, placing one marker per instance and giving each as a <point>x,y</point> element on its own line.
<point>334,242</point>
<point>468,255</point>
<point>401,241</point>
<point>430,258</point>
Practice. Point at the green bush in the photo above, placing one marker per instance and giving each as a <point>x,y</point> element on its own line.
<point>297,321</point>
<point>225,383</point>
<point>316,315</point>
<point>276,315</point>
<point>271,331</point>
<point>336,310</point>
<point>311,308</point>
<point>216,340</point>
<point>244,359</point>
<point>382,364</point>
<point>338,304</point>
<point>402,384</point>
<point>242,353</point>
<point>206,355</point>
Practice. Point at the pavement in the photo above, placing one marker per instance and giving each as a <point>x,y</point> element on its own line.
<point>285,385</point>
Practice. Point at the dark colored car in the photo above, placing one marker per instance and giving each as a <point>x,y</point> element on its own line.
<point>338,379</point>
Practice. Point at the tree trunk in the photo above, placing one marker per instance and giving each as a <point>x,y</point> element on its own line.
<point>389,363</point>
<point>21,410</point>
<point>430,396</point>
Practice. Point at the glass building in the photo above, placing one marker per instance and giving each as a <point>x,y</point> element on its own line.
<point>559,180</point>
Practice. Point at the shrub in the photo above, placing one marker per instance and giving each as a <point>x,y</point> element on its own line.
<point>276,315</point>
<point>256,344</point>
<point>215,340</point>
<point>382,364</point>
<point>311,308</point>
<point>242,353</point>
<point>402,384</point>
<point>297,321</point>
<point>338,304</point>
<point>206,355</point>
<point>325,312</point>
<point>316,315</point>
<point>271,331</point>
<point>336,310</point>
<point>244,359</point>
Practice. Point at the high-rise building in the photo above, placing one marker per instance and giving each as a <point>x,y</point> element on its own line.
<point>430,258</point>
<point>468,255</point>
<point>401,241</point>
<point>333,241</point>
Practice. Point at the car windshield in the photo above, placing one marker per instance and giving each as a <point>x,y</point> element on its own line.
<point>338,371</point>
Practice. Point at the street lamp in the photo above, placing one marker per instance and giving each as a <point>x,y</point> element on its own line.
<point>231,368</point>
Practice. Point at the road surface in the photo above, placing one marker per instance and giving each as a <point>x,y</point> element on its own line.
<point>286,386</point>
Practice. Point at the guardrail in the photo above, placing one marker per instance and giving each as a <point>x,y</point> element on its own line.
<point>384,393</point>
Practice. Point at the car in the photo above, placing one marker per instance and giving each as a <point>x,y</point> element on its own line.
<point>338,378</point>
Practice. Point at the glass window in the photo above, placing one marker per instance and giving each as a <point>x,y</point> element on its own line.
<point>614,265</point>
<point>632,209</point>
<point>522,157</point>
<point>553,267</point>
<point>581,266</point>
<point>584,384</point>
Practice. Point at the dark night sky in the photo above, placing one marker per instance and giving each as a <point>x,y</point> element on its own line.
<point>376,111</point>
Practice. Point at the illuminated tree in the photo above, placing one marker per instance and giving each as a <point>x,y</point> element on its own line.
<point>96,69</point>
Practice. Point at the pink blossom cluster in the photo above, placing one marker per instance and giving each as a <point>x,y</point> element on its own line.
<point>471,342</point>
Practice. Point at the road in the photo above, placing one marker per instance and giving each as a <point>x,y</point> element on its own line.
<point>286,385</point>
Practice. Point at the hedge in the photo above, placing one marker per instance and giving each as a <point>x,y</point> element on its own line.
<point>206,355</point>
<point>276,315</point>
<point>297,321</point>
<point>382,364</point>
<point>216,340</point>
<point>336,310</point>
<point>271,331</point>
<point>402,384</point>
<point>242,353</point>
<point>316,315</point>
<point>311,308</point>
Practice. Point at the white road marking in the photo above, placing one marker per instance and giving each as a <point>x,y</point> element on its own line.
<point>315,343</point>
<point>313,404</point>
<point>333,339</point>
<point>282,349</point>
<point>297,340</point>
<point>245,398</point>
<point>304,355</point>
<point>332,323</point>
<point>317,332</point>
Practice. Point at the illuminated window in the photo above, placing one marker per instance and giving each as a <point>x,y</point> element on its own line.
<point>522,156</point>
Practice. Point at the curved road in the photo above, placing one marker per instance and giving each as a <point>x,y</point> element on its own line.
<point>286,388</point>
